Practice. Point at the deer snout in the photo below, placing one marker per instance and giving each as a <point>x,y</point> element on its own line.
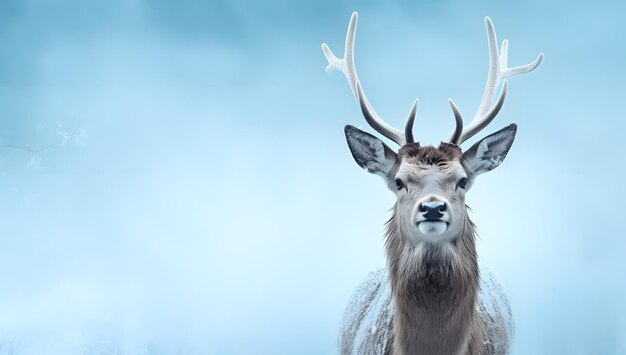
<point>432,216</point>
<point>432,211</point>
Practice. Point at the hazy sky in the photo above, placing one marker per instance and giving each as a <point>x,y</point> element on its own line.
<point>196,195</point>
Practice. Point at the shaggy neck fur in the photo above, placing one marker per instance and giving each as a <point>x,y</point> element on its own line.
<point>434,291</point>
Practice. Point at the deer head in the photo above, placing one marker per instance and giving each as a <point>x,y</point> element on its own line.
<point>430,182</point>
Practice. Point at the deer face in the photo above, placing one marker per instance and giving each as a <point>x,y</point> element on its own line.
<point>430,183</point>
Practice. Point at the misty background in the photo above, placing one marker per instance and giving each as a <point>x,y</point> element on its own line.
<point>195,193</point>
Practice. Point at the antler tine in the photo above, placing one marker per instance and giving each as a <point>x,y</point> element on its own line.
<point>456,135</point>
<point>498,72</point>
<point>346,66</point>
<point>408,129</point>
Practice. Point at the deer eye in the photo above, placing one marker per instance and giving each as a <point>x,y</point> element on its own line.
<point>463,183</point>
<point>399,184</point>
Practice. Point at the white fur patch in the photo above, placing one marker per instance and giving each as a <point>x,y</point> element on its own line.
<point>432,228</point>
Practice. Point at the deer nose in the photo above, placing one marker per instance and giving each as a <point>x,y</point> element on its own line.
<point>432,211</point>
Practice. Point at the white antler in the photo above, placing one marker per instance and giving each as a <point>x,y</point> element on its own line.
<point>498,72</point>
<point>346,66</point>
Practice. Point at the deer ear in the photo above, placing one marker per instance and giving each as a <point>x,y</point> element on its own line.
<point>370,152</point>
<point>490,151</point>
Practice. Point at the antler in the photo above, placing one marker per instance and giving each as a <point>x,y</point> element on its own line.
<point>346,66</point>
<point>498,71</point>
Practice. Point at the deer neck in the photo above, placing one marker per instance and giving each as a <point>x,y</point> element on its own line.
<point>434,291</point>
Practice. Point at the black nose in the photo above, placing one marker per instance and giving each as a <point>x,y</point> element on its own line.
<point>432,210</point>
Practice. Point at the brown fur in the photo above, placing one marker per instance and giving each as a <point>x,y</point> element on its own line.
<point>430,155</point>
<point>434,294</point>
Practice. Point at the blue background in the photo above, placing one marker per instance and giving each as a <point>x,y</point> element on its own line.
<point>196,194</point>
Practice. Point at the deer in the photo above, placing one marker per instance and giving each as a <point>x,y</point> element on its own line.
<point>432,297</point>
